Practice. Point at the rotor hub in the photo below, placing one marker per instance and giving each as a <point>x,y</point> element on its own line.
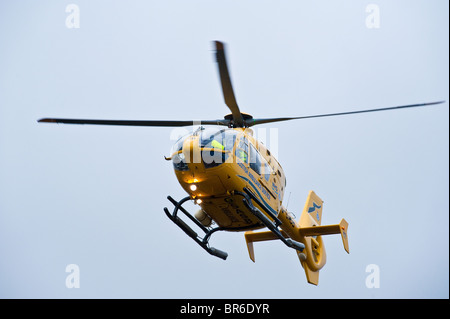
<point>246,117</point>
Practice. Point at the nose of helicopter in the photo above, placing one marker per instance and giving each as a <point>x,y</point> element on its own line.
<point>192,155</point>
<point>195,180</point>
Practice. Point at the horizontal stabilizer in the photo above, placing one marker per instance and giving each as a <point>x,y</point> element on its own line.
<point>340,228</point>
<point>251,237</point>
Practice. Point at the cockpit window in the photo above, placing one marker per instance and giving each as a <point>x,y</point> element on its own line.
<point>223,139</point>
<point>255,160</point>
<point>178,146</point>
<point>266,171</point>
<point>216,146</point>
<point>259,164</point>
<point>178,160</point>
<point>242,150</point>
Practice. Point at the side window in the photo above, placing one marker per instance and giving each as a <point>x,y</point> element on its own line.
<point>266,170</point>
<point>255,160</point>
<point>229,140</point>
<point>242,150</point>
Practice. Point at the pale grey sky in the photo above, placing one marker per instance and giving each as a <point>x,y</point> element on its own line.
<point>94,196</point>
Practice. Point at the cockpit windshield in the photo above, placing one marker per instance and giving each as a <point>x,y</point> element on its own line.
<point>178,146</point>
<point>219,139</point>
<point>216,146</point>
<point>179,162</point>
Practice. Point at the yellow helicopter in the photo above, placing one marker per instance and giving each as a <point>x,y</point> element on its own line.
<point>238,184</point>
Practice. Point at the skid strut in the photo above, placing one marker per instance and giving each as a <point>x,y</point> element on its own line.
<point>203,242</point>
<point>272,226</point>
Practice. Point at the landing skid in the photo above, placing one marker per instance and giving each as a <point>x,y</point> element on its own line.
<point>202,241</point>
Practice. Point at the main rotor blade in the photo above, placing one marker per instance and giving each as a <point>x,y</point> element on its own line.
<point>133,122</point>
<point>227,88</point>
<point>271,120</point>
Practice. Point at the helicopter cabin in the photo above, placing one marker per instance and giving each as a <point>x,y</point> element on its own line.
<point>218,161</point>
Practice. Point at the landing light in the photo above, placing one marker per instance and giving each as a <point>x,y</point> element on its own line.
<point>193,187</point>
<point>198,201</point>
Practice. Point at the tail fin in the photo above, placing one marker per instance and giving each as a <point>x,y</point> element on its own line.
<point>312,212</point>
<point>314,256</point>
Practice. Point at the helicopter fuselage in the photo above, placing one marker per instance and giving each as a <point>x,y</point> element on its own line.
<point>214,167</point>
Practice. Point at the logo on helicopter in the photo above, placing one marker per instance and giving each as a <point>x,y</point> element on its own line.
<point>313,208</point>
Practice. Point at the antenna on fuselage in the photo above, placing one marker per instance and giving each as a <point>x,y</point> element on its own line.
<point>289,197</point>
